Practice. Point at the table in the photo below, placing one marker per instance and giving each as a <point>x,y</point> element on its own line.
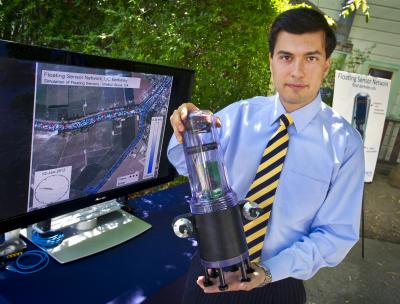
<point>128,273</point>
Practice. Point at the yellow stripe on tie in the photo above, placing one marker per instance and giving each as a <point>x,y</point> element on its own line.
<point>267,202</point>
<point>257,221</point>
<point>256,235</point>
<point>266,176</point>
<point>289,118</point>
<point>280,129</point>
<point>276,144</point>
<point>255,248</point>
<point>263,191</point>
<point>271,160</point>
<point>256,260</point>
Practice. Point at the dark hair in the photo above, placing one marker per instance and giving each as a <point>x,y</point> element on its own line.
<point>301,21</point>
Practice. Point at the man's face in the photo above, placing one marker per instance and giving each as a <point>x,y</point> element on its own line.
<point>298,66</point>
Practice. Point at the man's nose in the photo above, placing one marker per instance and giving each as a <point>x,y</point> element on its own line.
<point>298,69</point>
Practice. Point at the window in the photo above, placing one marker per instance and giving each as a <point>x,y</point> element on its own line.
<point>380,73</point>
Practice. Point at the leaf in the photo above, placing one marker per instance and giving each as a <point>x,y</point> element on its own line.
<point>367,17</point>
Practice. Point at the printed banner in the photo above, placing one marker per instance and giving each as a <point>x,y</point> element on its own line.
<point>362,100</point>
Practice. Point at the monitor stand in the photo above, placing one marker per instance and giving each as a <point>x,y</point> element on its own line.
<point>90,230</point>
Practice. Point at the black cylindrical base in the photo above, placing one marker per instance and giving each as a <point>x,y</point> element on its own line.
<point>221,238</point>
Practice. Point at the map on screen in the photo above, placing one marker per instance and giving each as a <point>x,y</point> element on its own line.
<point>94,130</point>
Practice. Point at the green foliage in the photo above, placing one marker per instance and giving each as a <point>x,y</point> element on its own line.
<point>336,64</point>
<point>225,42</point>
<point>353,5</point>
<point>356,58</point>
<point>349,63</point>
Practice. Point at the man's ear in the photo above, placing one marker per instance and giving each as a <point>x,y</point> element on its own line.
<point>327,66</point>
<point>270,59</point>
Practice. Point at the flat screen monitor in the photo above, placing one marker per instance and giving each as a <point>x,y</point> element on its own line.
<point>78,129</point>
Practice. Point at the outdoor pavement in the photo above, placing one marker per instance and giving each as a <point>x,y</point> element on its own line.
<point>376,278</point>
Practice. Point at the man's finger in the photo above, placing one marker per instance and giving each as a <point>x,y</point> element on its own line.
<point>178,136</point>
<point>185,108</point>
<point>177,126</point>
<point>210,289</point>
<point>177,122</point>
<point>217,122</point>
<point>184,112</point>
<point>178,117</point>
<point>233,282</point>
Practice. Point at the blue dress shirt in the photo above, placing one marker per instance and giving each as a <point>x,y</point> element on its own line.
<point>316,213</point>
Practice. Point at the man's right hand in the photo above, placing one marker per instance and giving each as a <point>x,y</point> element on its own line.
<point>178,117</point>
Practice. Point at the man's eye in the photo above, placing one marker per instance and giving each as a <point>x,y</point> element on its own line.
<point>312,58</point>
<point>285,58</point>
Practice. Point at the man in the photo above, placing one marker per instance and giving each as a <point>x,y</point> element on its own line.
<point>316,209</point>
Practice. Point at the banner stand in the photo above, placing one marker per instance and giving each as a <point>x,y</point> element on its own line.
<point>363,100</point>
<point>362,226</point>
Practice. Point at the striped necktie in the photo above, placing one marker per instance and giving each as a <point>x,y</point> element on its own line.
<point>262,190</point>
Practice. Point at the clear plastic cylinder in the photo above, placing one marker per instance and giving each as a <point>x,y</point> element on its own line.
<point>204,160</point>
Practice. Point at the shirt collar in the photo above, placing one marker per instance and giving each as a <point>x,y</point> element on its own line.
<point>302,116</point>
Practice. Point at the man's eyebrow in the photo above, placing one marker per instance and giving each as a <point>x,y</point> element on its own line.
<point>313,53</point>
<point>284,53</point>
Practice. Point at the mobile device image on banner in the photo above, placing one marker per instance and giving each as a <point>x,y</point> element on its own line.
<point>362,100</point>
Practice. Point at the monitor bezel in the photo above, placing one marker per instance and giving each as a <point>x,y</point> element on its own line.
<point>181,92</point>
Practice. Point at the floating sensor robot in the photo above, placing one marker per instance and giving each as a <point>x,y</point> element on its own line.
<point>359,121</point>
<point>215,219</point>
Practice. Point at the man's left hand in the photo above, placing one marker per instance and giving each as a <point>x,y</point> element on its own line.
<point>233,281</point>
